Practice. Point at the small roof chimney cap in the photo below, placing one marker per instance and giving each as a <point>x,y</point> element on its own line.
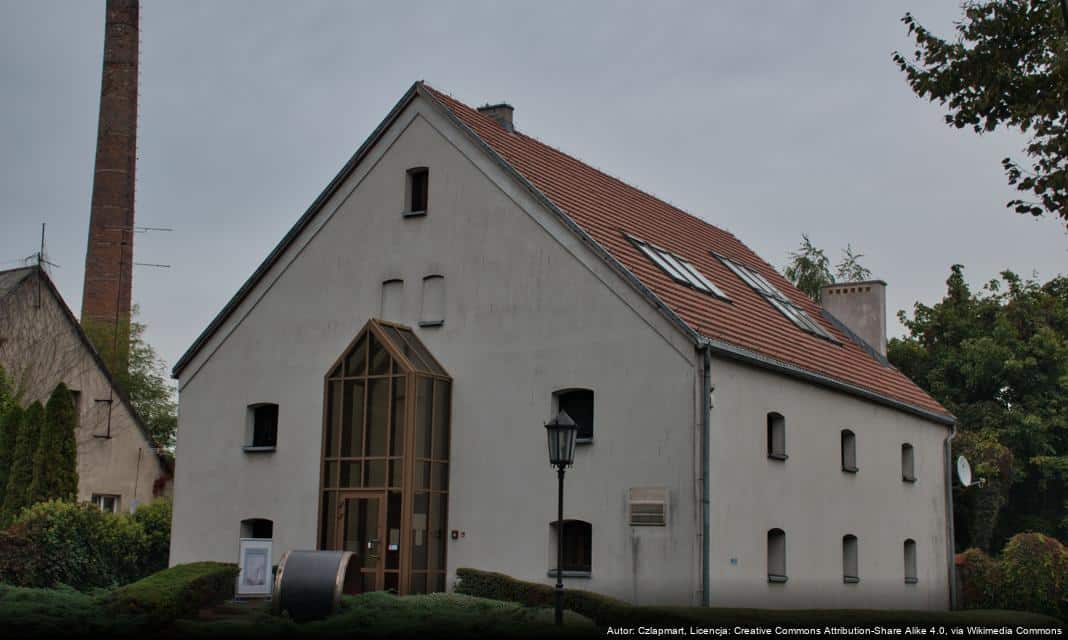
<point>501,112</point>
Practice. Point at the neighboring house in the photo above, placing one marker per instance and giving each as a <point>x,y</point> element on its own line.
<point>380,384</point>
<point>41,345</point>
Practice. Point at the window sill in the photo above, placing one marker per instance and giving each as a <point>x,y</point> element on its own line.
<point>909,479</point>
<point>911,580</point>
<point>850,579</point>
<point>570,574</point>
<point>776,578</point>
<point>583,440</point>
<point>850,469</point>
<point>252,449</point>
<point>778,456</point>
<point>427,324</point>
<point>414,214</point>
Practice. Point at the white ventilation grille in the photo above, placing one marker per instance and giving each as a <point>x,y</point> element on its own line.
<point>648,507</point>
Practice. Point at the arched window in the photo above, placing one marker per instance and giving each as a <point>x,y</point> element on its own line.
<point>908,463</point>
<point>578,403</point>
<point>849,451</point>
<point>257,528</point>
<point>577,540</point>
<point>776,555</point>
<point>417,192</point>
<point>910,562</point>
<point>262,429</point>
<point>850,562</point>
<point>432,313</point>
<point>776,436</point>
<point>392,306</point>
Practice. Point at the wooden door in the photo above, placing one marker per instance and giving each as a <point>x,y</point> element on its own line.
<point>361,529</point>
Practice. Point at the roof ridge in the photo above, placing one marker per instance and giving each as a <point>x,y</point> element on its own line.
<point>604,173</point>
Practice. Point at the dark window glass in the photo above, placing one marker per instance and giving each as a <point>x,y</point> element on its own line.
<point>424,390</point>
<point>352,425</point>
<point>442,398</point>
<point>257,528</point>
<point>577,540</point>
<point>578,404</point>
<point>849,451</point>
<point>265,425</point>
<point>776,555</point>
<point>776,436</point>
<point>418,185</point>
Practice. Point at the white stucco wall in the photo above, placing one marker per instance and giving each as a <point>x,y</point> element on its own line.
<point>527,312</point>
<point>810,498</point>
<point>40,349</point>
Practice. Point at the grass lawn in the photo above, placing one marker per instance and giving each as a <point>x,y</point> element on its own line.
<point>65,613</point>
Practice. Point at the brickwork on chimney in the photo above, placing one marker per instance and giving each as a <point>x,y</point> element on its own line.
<point>108,287</point>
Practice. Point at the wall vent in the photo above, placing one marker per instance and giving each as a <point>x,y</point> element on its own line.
<point>648,507</point>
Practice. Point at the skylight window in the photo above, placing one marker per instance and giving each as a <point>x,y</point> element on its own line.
<point>679,269</point>
<point>777,299</point>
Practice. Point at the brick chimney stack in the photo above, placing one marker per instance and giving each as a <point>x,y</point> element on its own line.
<point>107,292</point>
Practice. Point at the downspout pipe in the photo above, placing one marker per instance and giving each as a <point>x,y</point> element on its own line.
<point>950,534</point>
<point>706,409</point>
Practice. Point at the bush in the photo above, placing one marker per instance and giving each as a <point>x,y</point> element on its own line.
<point>602,609</point>
<point>74,544</point>
<point>155,520</point>
<point>1034,570</point>
<point>980,579</point>
<point>177,592</point>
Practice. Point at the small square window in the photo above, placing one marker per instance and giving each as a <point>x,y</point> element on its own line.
<point>263,427</point>
<point>106,502</point>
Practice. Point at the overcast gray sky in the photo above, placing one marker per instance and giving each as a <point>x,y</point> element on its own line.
<point>766,118</point>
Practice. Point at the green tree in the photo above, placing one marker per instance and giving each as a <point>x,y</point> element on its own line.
<point>17,491</point>
<point>998,359</point>
<point>10,423</point>
<point>1007,66</point>
<point>809,268</point>
<point>55,464</point>
<point>140,373</point>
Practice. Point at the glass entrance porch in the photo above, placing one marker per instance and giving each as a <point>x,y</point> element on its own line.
<point>384,476</point>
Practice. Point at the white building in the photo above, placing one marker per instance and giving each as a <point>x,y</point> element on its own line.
<point>743,447</point>
<point>41,345</point>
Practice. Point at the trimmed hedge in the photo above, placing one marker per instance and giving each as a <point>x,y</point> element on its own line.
<point>178,592</point>
<point>602,609</point>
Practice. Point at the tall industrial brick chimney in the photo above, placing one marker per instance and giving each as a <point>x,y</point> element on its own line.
<point>107,292</point>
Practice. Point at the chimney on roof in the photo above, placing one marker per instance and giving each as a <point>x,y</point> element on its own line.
<point>860,306</point>
<point>501,112</point>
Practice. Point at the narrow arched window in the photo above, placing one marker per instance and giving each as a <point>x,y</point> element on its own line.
<point>911,577</point>
<point>392,304</point>
<point>776,436</point>
<point>850,561</point>
<point>432,312</point>
<point>417,192</point>
<point>776,555</point>
<point>576,537</point>
<point>578,404</point>
<point>849,451</point>
<point>260,528</point>
<point>908,463</point>
<point>262,429</point>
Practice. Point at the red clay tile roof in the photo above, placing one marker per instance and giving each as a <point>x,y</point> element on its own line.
<point>607,208</point>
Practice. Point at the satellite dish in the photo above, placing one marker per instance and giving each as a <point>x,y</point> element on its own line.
<point>964,471</point>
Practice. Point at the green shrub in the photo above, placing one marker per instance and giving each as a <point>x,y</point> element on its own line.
<point>55,463</point>
<point>177,592</point>
<point>74,544</point>
<point>10,423</point>
<point>155,520</point>
<point>17,491</point>
<point>1034,570</point>
<point>980,579</point>
<point>602,609</point>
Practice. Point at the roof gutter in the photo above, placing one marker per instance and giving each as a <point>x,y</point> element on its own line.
<point>951,559</point>
<point>706,483</point>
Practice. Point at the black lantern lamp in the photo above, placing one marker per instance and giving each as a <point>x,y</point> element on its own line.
<point>562,431</point>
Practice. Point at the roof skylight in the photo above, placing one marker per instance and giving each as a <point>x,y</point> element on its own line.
<point>679,269</point>
<point>777,299</point>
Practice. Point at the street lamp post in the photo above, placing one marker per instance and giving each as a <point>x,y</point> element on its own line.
<point>561,431</point>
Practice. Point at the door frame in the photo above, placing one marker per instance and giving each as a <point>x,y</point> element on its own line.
<point>343,496</point>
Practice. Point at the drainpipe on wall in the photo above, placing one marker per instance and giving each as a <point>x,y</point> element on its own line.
<point>706,409</point>
<point>950,543</point>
